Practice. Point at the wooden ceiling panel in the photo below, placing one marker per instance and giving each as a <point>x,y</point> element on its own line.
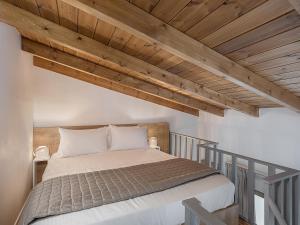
<point>166,9</point>
<point>68,15</point>
<point>119,39</point>
<point>29,5</point>
<point>272,54</point>
<point>103,32</point>
<point>48,9</point>
<point>284,23</point>
<point>266,45</point>
<point>254,18</point>
<point>264,39</point>
<point>281,61</point>
<point>194,12</point>
<point>229,11</point>
<point>86,24</point>
<point>146,5</point>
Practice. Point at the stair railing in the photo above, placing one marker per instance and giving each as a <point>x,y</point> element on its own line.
<point>282,184</point>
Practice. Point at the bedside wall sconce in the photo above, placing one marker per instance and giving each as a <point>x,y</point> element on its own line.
<point>41,153</point>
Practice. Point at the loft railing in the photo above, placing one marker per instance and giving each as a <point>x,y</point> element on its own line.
<point>282,184</point>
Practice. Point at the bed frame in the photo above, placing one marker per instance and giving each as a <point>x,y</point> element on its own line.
<point>281,184</point>
<point>49,136</point>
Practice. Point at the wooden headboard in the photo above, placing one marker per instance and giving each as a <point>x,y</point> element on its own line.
<point>49,136</point>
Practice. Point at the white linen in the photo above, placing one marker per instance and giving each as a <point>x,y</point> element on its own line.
<point>81,142</point>
<point>124,138</point>
<point>160,208</point>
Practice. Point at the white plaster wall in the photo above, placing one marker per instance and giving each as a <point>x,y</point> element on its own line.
<point>273,137</point>
<point>16,125</point>
<point>60,100</point>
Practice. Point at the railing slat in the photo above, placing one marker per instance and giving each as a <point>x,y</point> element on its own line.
<point>192,149</point>
<point>186,151</point>
<point>297,199</point>
<point>215,159</point>
<point>251,188</point>
<point>221,161</point>
<point>281,197</point>
<point>207,156</point>
<point>271,172</point>
<point>289,204</point>
<point>277,213</point>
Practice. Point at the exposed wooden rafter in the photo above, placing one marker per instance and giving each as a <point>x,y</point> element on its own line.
<point>48,32</point>
<point>79,75</point>
<point>136,21</point>
<point>90,69</point>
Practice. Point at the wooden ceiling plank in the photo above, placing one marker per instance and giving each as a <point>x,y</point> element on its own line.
<point>30,5</point>
<point>284,23</point>
<point>296,5</point>
<point>80,75</point>
<point>49,10</point>
<point>146,5</point>
<point>74,62</point>
<point>86,24</point>
<point>277,62</point>
<point>266,45</point>
<point>272,54</point>
<point>113,58</point>
<point>254,18</point>
<point>229,11</point>
<point>119,39</point>
<point>166,9</point>
<point>103,32</point>
<point>193,13</point>
<point>281,69</point>
<point>68,15</point>
<point>135,20</point>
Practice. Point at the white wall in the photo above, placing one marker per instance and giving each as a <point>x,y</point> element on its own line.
<point>60,100</point>
<point>273,137</point>
<point>16,125</point>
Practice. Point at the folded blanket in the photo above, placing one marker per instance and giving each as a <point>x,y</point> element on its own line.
<point>77,192</point>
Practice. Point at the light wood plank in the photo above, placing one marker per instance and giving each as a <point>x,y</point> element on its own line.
<point>68,15</point>
<point>266,45</point>
<point>135,20</point>
<point>113,58</point>
<point>193,13</point>
<point>226,13</point>
<point>103,32</point>
<point>166,9</point>
<point>86,24</point>
<point>277,26</point>
<point>256,17</point>
<point>48,9</point>
<point>272,54</point>
<point>295,4</point>
<point>146,5</point>
<point>92,69</point>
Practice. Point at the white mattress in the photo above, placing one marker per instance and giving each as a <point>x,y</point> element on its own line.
<point>161,208</point>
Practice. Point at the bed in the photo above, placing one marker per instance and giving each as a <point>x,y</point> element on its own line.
<point>165,207</point>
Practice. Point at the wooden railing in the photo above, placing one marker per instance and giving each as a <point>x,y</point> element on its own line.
<point>282,184</point>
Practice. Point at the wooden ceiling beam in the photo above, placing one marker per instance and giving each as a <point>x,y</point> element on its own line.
<point>47,32</point>
<point>79,75</point>
<point>130,18</point>
<point>93,69</point>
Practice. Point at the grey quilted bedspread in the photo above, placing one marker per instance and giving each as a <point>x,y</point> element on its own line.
<point>76,192</point>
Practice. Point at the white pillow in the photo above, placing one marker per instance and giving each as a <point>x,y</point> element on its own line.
<point>122,138</point>
<point>80,142</point>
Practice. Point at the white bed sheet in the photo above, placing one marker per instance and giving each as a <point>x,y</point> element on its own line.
<point>161,208</point>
